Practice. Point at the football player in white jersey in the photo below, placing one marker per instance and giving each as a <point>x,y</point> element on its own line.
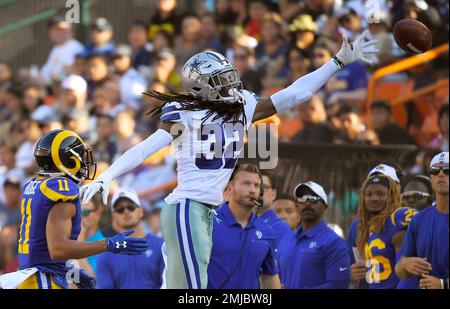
<point>207,124</point>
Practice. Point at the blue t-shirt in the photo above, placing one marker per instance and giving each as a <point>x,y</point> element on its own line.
<point>279,227</point>
<point>352,77</point>
<point>317,258</point>
<point>427,237</point>
<point>119,271</point>
<point>247,259</point>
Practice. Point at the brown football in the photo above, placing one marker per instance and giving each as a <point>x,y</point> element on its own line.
<point>412,36</point>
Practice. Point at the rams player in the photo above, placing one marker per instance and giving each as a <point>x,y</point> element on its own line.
<point>51,217</point>
<point>382,226</point>
<point>209,122</point>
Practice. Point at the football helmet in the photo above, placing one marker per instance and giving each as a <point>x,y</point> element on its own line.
<point>63,153</point>
<point>211,77</point>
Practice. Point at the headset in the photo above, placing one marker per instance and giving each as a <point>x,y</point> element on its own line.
<point>259,203</point>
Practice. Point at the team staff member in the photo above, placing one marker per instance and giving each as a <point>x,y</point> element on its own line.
<point>280,228</point>
<point>285,208</point>
<point>242,254</point>
<point>315,257</point>
<point>131,272</point>
<point>425,249</point>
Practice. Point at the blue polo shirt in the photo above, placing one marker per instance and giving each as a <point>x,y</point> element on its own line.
<point>427,237</point>
<point>315,259</point>
<point>144,271</point>
<point>279,227</point>
<point>250,251</point>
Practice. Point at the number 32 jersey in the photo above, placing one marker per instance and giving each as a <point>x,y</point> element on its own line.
<point>206,151</point>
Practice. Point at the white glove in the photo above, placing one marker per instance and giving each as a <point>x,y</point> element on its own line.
<point>89,190</point>
<point>361,49</point>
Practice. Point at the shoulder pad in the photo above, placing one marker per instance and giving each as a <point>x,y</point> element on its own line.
<point>401,217</point>
<point>59,189</point>
<point>171,112</point>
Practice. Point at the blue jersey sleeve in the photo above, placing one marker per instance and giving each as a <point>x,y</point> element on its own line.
<point>104,274</point>
<point>59,189</point>
<point>401,217</point>
<point>408,248</point>
<point>171,113</point>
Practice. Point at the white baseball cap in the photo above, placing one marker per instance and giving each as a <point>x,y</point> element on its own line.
<point>75,83</point>
<point>314,187</point>
<point>385,170</point>
<point>440,158</point>
<point>125,192</point>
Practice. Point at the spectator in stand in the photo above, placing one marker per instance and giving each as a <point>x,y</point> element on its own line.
<point>441,141</point>
<point>72,96</point>
<point>315,128</point>
<point>352,126</point>
<point>5,76</point>
<point>257,10</point>
<point>349,22</point>
<point>141,49</point>
<point>106,146</point>
<point>63,53</point>
<point>10,208</point>
<point>101,38</point>
<point>244,59</point>
<point>210,33</point>
<point>303,30</point>
<point>298,64</point>
<point>165,18</point>
<point>190,42</point>
<point>165,71</point>
<point>132,84</point>
<point>8,166</point>
<point>271,51</point>
<point>349,84</point>
<point>239,12</point>
<point>388,132</point>
<point>98,72</point>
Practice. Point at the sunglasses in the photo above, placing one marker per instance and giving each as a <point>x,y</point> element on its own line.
<point>435,170</point>
<point>414,195</point>
<point>121,210</point>
<point>86,212</point>
<point>318,55</point>
<point>308,198</point>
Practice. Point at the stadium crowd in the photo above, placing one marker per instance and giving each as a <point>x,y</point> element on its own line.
<point>95,88</point>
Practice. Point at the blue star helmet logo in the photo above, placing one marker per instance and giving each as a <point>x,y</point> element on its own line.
<point>195,64</point>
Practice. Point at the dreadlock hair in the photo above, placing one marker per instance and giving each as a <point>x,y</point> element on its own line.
<point>377,223</point>
<point>190,102</point>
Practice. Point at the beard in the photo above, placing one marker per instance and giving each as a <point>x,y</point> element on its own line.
<point>245,201</point>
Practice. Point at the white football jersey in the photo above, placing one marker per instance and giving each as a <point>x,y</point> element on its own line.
<point>206,151</point>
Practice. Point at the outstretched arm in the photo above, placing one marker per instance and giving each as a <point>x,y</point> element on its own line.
<point>304,87</point>
<point>128,161</point>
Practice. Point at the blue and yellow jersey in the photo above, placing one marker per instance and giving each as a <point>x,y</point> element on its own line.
<point>380,252</point>
<point>38,197</point>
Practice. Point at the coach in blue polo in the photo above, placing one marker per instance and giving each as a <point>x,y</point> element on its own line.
<point>315,257</point>
<point>243,251</point>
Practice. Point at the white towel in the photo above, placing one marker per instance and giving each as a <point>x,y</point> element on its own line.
<point>13,280</point>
